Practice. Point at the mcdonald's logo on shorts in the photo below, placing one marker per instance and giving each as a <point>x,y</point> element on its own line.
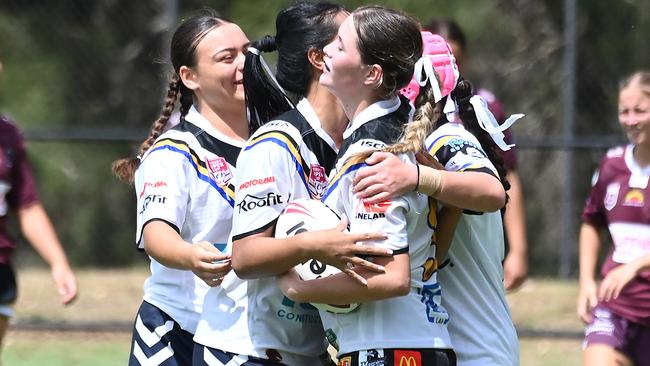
<point>407,358</point>
<point>345,361</point>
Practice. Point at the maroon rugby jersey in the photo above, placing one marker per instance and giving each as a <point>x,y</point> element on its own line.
<point>620,202</point>
<point>17,187</point>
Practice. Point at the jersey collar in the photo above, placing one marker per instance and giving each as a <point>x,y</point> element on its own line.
<point>374,111</point>
<point>307,111</point>
<point>194,117</point>
<point>634,167</point>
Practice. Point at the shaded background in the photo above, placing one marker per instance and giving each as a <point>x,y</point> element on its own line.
<point>85,79</point>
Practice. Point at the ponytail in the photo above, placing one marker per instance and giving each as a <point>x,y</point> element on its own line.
<point>125,168</point>
<point>462,94</point>
<point>264,98</point>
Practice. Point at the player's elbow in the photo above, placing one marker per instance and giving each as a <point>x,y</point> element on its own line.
<point>399,286</point>
<point>242,269</point>
<point>490,198</point>
<point>495,199</point>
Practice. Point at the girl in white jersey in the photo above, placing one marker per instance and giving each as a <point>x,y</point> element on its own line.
<point>248,321</point>
<point>480,325</point>
<point>400,320</point>
<point>184,185</point>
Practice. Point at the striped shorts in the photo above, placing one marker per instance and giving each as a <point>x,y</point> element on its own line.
<point>158,340</point>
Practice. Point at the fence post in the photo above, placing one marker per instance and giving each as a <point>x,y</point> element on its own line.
<point>568,223</point>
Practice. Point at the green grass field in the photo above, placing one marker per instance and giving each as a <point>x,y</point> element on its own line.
<point>114,296</point>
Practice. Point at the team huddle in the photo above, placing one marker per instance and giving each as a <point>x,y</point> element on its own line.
<point>422,256</point>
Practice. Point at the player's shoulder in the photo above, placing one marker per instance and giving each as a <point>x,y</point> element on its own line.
<point>7,126</point>
<point>616,152</point>
<point>282,124</point>
<point>450,134</point>
<point>614,158</point>
<point>612,164</point>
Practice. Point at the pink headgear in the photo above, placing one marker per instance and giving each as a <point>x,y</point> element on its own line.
<point>436,54</point>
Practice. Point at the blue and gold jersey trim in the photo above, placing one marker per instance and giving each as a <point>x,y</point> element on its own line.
<point>285,141</point>
<point>200,167</point>
<point>351,165</point>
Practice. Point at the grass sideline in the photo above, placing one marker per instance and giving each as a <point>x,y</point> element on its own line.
<point>113,296</point>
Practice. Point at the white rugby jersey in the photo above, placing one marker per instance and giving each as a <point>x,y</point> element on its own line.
<point>416,320</point>
<point>480,324</point>
<point>185,180</point>
<point>286,159</point>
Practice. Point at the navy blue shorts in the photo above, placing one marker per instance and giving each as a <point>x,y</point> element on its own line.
<point>158,340</point>
<point>8,288</point>
<point>206,356</point>
<point>399,357</point>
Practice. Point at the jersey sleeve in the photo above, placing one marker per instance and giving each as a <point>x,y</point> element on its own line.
<point>388,216</point>
<point>594,211</point>
<point>162,185</point>
<point>265,173</point>
<point>458,152</point>
<point>23,186</point>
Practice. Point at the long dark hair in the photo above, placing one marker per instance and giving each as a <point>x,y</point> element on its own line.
<point>183,53</point>
<point>303,26</point>
<point>462,94</point>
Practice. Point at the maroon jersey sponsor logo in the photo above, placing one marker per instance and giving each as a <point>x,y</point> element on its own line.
<point>634,198</point>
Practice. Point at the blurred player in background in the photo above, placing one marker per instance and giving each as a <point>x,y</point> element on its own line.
<point>18,195</point>
<point>183,181</point>
<point>618,310</point>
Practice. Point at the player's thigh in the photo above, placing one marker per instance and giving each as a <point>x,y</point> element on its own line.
<point>604,355</point>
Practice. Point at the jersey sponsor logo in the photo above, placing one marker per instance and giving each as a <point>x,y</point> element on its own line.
<point>333,340</point>
<point>372,357</point>
<point>372,144</point>
<point>298,313</point>
<point>219,170</point>
<point>611,196</point>
<point>634,198</point>
<point>257,182</point>
<point>407,358</point>
<point>276,123</point>
<point>317,181</point>
<point>345,361</point>
<point>251,202</point>
<point>372,211</point>
<point>152,198</point>
<point>152,185</point>
<point>431,298</point>
<point>456,144</point>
